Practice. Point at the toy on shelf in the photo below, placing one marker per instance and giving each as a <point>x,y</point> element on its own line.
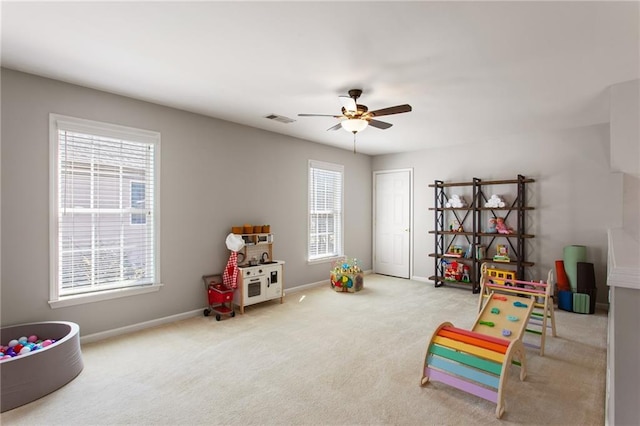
<point>465,274</point>
<point>502,253</point>
<point>498,276</point>
<point>501,226</point>
<point>492,287</point>
<point>454,251</point>
<point>492,226</point>
<point>495,202</point>
<point>477,361</point>
<point>456,201</point>
<point>453,271</point>
<point>456,226</point>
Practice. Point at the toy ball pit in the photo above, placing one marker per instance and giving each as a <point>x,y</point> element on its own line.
<point>32,375</point>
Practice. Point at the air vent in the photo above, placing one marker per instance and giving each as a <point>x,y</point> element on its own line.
<point>280,118</point>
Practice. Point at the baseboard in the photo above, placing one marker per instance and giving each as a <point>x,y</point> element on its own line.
<point>303,287</point>
<point>137,327</point>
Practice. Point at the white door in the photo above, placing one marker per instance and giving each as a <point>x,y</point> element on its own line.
<point>392,222</point>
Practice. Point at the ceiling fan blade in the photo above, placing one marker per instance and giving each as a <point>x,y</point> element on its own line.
<point>336,127</point>
<point>319,115</point>
<point>391,110</point>
<point>348,103</point>
<point>379,124</point>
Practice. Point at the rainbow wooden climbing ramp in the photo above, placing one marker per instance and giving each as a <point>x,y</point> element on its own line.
<point>476,361</point>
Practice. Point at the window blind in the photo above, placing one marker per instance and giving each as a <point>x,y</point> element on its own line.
<point>105,210</point>
<point>325,210</point>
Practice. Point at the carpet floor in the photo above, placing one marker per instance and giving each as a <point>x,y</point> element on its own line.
<point>323,358</point>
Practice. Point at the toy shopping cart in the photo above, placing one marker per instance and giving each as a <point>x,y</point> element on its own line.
<point>220,297</point>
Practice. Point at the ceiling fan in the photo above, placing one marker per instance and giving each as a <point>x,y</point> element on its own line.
<point>356,117</point>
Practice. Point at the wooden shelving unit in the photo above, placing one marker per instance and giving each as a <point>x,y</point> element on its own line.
<point>473,219</point>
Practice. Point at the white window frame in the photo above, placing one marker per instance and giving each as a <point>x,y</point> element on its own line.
<point>313,164</point>
<point>56,122</point>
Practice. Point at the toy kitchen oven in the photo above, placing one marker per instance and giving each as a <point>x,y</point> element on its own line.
<point>259,283</point>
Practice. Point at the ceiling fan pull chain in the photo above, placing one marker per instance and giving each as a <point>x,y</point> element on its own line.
<point>354,142</point>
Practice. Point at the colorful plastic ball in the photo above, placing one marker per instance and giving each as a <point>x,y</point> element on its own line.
<point>11,352</point>
<point>17,348</point>
<point>25,350</point>
<point>46,343</point>
<point>32,339</point>
<point>23,339</point>
<point>6,357</point>
<point>13,343</point>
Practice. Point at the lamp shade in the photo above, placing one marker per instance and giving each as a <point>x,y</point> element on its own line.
<point>354,125</point>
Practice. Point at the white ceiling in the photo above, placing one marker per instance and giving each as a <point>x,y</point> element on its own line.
<point>472,71</point>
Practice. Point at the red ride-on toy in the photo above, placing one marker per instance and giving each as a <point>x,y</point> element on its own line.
<point>219,296</point>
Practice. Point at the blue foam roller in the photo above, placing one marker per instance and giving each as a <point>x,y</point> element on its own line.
<point>565,300</point>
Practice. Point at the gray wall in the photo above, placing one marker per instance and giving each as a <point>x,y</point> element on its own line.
<point>572,195</point>
<point>214,174</point>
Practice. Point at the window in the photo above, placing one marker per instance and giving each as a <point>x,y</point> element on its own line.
<point>104,222</point>
<point>138,202</point>
<point>325,210</point>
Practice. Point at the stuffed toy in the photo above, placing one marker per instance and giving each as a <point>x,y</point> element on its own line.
<point>492,226</point>
<point>502,227</point>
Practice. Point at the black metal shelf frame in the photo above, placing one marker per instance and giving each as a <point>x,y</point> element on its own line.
<point>445,239</point>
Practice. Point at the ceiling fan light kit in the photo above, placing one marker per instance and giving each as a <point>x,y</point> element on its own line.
<point>354,125</point>
<point>356,117</point>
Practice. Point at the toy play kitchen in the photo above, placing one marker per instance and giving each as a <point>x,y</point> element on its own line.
<point>259,277</point>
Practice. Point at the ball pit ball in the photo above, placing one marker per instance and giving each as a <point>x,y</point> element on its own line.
<point>23,345</point>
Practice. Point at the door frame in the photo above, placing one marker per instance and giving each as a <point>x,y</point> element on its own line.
<point>373,215</point>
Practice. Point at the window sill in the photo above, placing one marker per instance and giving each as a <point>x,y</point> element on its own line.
<point>324,260</point>
<point>80,299</point>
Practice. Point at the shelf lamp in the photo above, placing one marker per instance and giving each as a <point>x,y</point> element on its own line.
<point>354,125</point>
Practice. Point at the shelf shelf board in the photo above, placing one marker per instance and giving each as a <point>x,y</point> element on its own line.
<point>444,256</point>
<point>451,208</point>
<point>450,184</point>
<point>505,182</point>
<point>453,233</point>
<point>495,234</point>
<point>505,208</point>
<point>497,262</point>
<point>441,279</point>
<point>481,182</point>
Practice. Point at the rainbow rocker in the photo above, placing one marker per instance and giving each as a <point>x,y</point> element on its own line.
<point>477,361</point>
